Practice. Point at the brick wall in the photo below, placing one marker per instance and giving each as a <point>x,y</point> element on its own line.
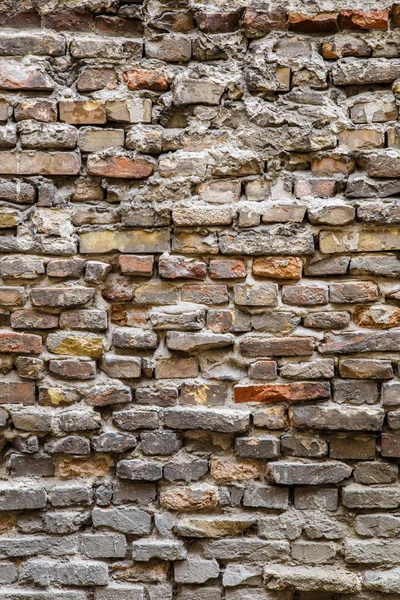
<point>199,300</point>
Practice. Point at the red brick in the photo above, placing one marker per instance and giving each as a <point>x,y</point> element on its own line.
<point>123,167</point>
<point>146,79</point>
<point>17,393</point>
<point>322,23</point>
<point>274,392</point>
<point>39,163</point>
<point>29,19</point>
<point>363,19</point>
<point>66,20</point>
<point>136,265</point>
<point>20,343</point>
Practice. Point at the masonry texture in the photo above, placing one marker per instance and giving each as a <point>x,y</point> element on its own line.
<point>199,300</point>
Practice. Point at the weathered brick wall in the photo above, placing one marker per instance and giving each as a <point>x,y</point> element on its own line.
<point>199,300</point>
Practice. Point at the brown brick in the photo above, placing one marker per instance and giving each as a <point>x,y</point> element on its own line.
<point>176,368</point>
<point>278,267</point>
<point>115,26</point>
<point>359,447</point>
<point>124,167</point>
<point>205,294</point>
<point>391,445</point>
<point>20,343</point>
<point>96,140</point>
<point>38,109</point>
<point>291,346</point>
<point>275,392</point>
<point>39,163</point>
<point>377,316</point>
<point>17,393</point>
<point>263,369</point>
<point>363,19</point>
<point>257,23</point>
<point>69,468</point>
<point>321,23</point>
<point>11,296</point>
<point>73,368</point>
<point>217,22</point>
<point>146,79</point>
<point>91,80</point>
<point>395,16</point>
<point>83,112</point>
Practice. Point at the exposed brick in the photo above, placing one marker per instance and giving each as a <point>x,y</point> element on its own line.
<point>272,392</point>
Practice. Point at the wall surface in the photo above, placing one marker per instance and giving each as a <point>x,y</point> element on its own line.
<point>199,300</point>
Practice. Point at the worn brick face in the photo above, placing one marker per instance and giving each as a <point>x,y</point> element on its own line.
<point>199,300</point>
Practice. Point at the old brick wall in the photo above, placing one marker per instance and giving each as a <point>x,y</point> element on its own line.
<point>199,300</point>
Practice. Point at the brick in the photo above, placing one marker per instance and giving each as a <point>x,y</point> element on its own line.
<point>146,79</point>
<point>95,140</point>
<point>92,80</point>
<point>308,578</point>
<point>360,19</point>
<point>364,368</point>
<point>350,343</point>
<point>61,297</point>
<point>169,48</point>
<point>323,23</point>
<point>253,347</point>
<point>117,26</point>
<point>135,110</point>
<point>179,368</point>
<point>15,76</point>
<point>354,448</point>
<point>76,344</point>
<point>17,392</point>
<point>273,392</point>
<point>119,166</point>
<point>304,295</point>
<point>39,163</point>
<point>126,241</point>
<point>278,267</point>
<point>347,418</point>
<point>22,343</point>
<point>257,23</point>
<point>227,269</point>
<point>30,319</point>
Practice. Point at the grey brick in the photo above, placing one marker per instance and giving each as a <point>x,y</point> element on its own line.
<point>125,520</point>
